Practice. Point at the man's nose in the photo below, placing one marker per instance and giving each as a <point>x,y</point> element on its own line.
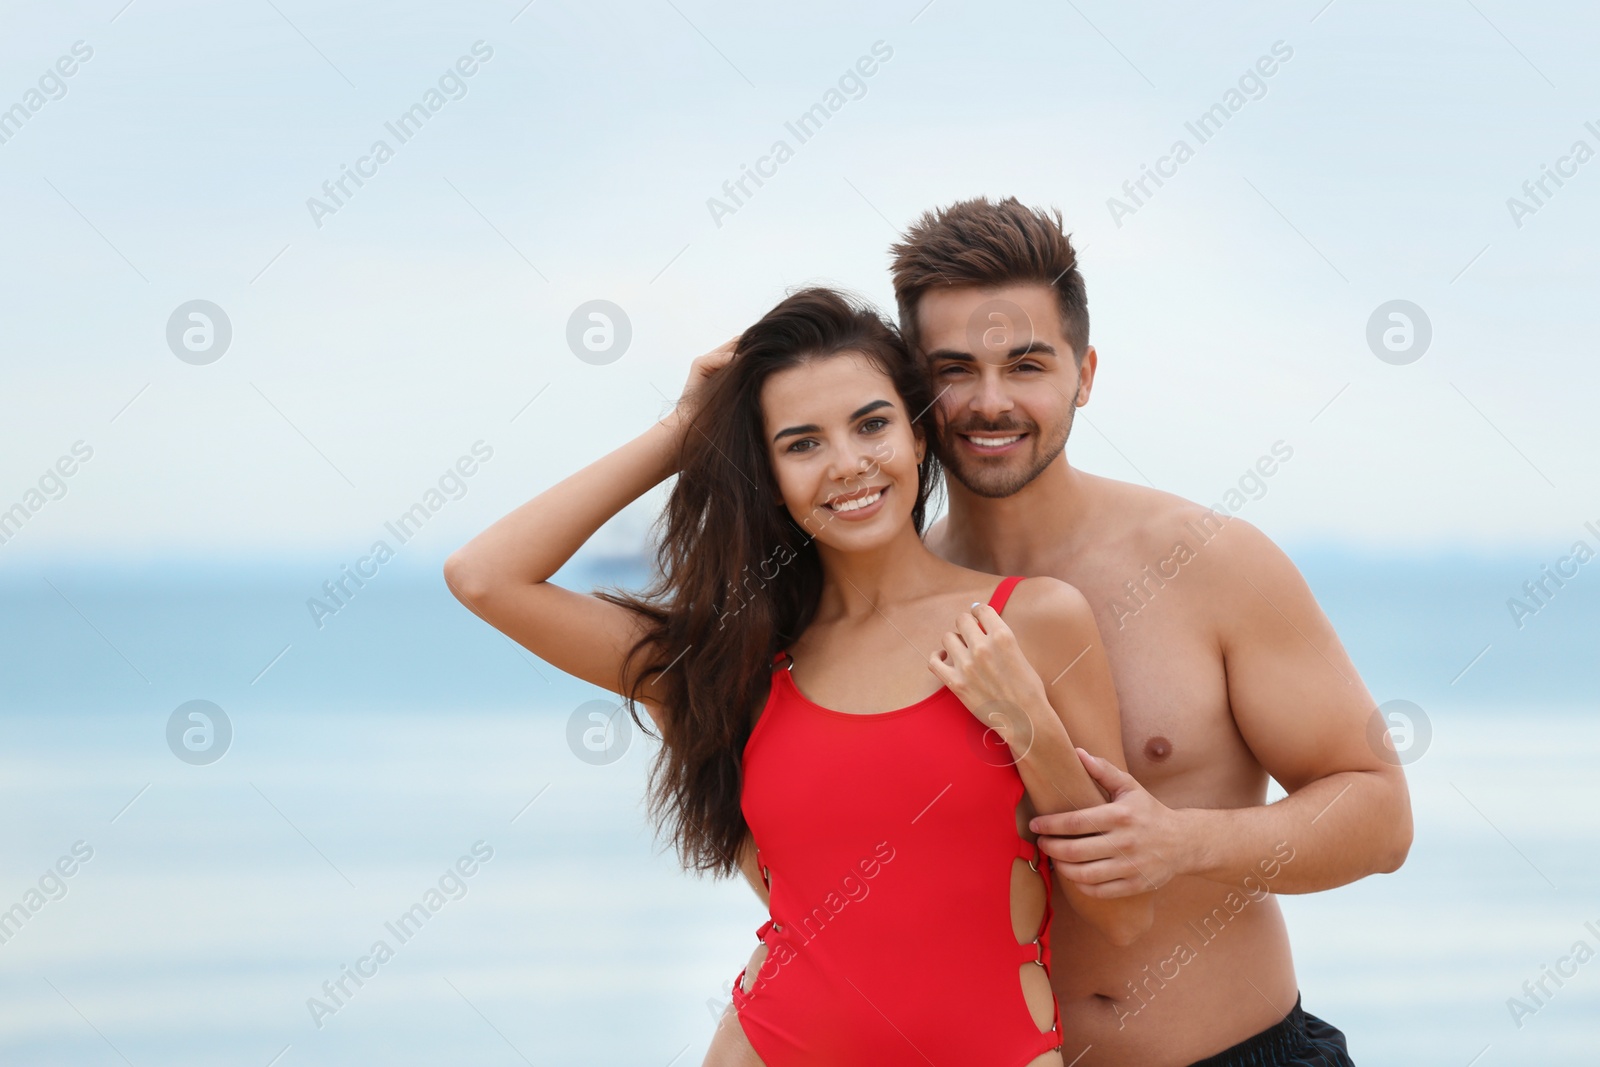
<point>990,399</point>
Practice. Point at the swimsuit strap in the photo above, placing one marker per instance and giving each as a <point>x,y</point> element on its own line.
<point>1002,592</point>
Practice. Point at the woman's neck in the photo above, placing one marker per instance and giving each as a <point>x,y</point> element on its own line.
<point>861,583</point>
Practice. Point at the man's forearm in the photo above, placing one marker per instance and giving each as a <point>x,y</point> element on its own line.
<point>1341,828</point>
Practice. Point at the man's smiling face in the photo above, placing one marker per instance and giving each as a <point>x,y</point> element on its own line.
<point>1006,380</point>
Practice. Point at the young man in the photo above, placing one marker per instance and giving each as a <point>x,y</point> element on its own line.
<point>1226,669</point>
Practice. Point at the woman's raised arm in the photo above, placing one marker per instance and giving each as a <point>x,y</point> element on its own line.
<point>503,574</point>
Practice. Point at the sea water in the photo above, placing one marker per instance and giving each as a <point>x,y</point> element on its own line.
<point>226,909</point>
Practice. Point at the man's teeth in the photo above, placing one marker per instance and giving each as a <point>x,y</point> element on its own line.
<point>858,503</point>
<point>993,442</point>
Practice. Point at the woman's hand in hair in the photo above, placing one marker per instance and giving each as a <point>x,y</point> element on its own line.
<point>701,372</point>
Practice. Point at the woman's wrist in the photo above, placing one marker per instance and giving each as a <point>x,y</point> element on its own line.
<point>669,433</point>
<point>1019,724</point>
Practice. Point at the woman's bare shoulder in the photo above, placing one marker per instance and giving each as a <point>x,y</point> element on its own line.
<point>1048,609</point>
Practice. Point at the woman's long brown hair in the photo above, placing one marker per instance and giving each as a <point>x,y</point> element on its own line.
<point>736,578</point>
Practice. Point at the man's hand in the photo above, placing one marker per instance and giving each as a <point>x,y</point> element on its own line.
<point>1135,843</point>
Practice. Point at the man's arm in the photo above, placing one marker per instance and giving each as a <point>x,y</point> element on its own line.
<point>1307,718</point>
<point>1305,714</point>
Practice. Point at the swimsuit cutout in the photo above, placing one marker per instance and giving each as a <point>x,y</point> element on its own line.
<point>886,844</point>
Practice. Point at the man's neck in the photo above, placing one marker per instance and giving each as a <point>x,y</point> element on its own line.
<point>1024,533</point>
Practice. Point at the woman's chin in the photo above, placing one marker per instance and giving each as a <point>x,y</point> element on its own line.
<point>884,528</point>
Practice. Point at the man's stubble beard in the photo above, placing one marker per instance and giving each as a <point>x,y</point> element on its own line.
<point>996,483</point>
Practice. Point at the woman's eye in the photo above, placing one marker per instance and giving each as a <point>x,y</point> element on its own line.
<point>874,425</point>
<point>795,447</point>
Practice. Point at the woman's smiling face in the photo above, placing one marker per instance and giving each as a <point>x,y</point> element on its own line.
<point>843,448</point>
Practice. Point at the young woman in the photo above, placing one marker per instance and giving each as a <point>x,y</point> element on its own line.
<point>786,652</point>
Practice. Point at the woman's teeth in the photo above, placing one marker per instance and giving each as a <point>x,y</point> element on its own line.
<point>857,503</point>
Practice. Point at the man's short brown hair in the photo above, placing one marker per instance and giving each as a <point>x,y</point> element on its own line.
<point>982,244</point>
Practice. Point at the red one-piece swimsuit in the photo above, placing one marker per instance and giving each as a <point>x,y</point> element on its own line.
<point>886,843</point>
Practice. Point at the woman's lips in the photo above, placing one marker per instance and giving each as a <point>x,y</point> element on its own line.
<point>863,512</point>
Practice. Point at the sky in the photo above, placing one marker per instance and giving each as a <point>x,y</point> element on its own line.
<point>217,363</point>
<point>378,338</point>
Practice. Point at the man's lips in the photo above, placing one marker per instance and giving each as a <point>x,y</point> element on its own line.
<point>992,443</point>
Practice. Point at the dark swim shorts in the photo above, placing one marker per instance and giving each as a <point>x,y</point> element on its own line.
<point>1300,1040</point>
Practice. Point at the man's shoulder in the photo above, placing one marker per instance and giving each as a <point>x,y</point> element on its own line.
<point>1148,515</point>
<point>1153,521</point>
<point>1143,519</point>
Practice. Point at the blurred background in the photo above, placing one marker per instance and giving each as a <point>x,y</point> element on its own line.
<point>231,369</point>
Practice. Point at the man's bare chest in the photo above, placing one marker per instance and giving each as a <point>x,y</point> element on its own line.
<point>1172,685</point>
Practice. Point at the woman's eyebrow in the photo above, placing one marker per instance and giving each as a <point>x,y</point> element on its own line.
<point>812,427</point>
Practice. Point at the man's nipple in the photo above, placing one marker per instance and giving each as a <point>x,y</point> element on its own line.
<point>1157,749</point>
